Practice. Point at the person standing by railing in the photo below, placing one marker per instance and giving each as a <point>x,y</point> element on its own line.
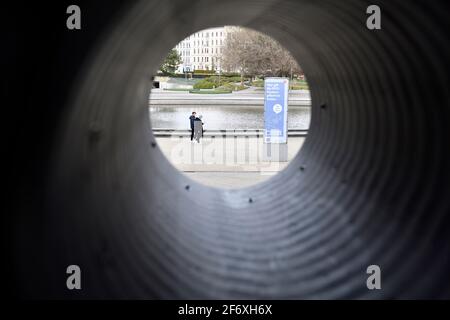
<point>192,119</point>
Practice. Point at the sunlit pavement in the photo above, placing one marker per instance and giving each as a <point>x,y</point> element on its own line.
<point>230,162</point>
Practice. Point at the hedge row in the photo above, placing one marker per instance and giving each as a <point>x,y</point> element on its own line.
<point>216,81</point>
<point>214,73</point>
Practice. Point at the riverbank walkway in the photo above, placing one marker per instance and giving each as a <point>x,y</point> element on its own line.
<point>225,162</point>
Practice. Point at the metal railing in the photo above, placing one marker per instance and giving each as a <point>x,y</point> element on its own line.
<point>165,132</point>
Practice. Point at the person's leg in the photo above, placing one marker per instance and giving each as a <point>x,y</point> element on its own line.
<point>192,134</point>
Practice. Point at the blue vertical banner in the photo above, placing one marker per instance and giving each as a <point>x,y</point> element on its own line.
<point>275,110</point>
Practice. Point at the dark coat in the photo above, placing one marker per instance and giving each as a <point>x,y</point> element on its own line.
<point>192,118</point>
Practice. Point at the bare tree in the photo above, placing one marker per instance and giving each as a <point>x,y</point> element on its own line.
<point>253,54</point>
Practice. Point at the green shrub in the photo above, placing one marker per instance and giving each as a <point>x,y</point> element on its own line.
<point>204,72</point>
<point>231,74</point>
<point>258,83</point>
<point>232,87</point>
<point>226,86</point>
<point>200,71</point>
<point>213,82</point>
<point>210,82</point>
<point>205,84</point>
<point>239,87</point>
<point>235,79</point>
<point>298,86</point>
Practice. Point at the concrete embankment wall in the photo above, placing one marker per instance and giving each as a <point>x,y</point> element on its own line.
<point>252,98</point>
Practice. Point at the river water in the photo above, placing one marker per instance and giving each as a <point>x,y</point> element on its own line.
<point>223,117</point>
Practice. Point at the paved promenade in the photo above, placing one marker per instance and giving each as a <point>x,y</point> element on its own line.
<point>228,162</point>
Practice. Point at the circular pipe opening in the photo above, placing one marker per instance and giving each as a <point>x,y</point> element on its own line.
<point>220,76</point>
<point>347,201</point>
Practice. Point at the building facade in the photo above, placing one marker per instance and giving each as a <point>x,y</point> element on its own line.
<point>202,50</point>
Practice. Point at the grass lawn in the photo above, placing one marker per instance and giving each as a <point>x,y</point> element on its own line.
<point>293,85</point>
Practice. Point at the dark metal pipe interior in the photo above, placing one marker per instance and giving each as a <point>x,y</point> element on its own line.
<point>370,185</point>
